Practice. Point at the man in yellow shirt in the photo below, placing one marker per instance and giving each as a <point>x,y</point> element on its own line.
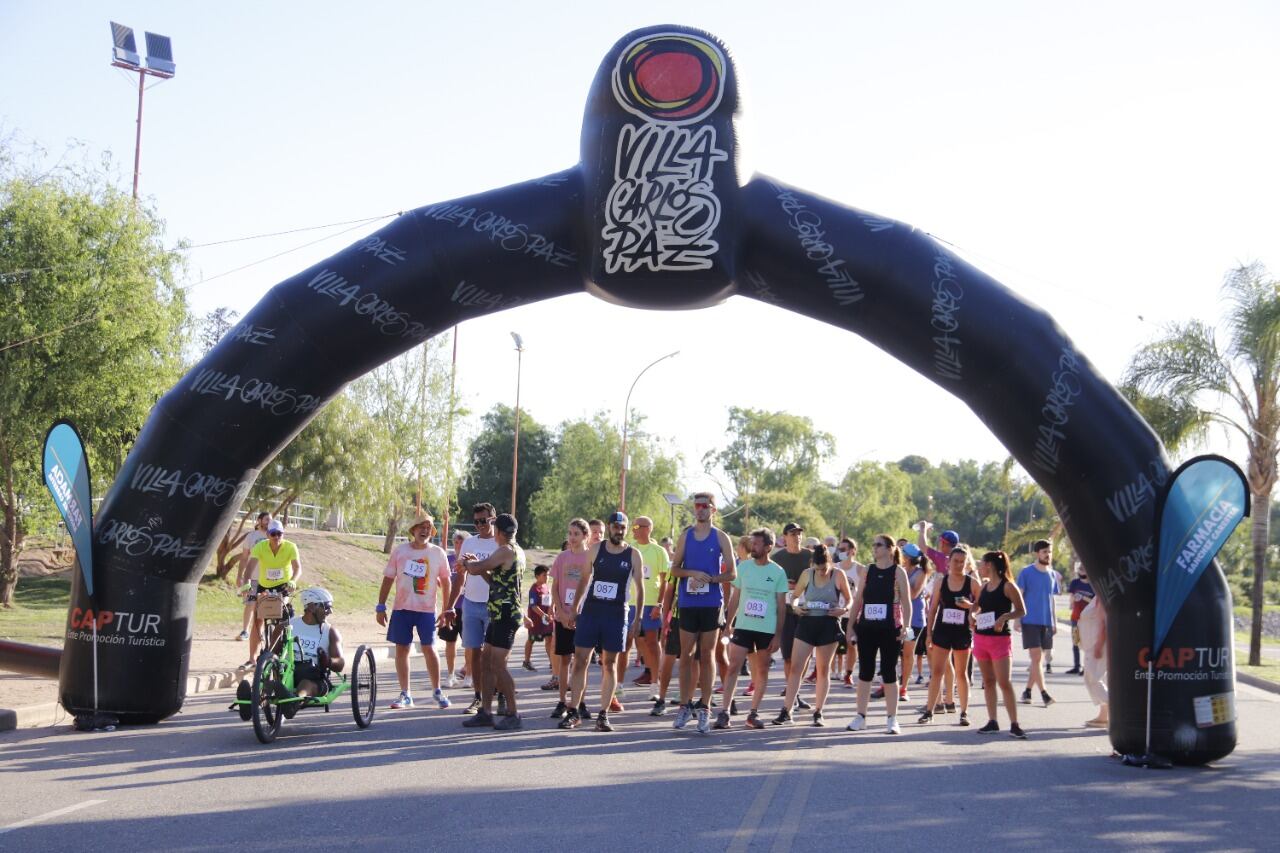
<point>656,566</point>
<point>275,560</point>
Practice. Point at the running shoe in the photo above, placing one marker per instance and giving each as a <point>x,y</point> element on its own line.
<point>783,718</point>
<point>811,677</point>
<point>683,716</point>
<point>405,701</point>
<point>243,635</point>
<point>474,707</point>
<point>1015,730</point>
<point>1026,696</point>
<point>990,728</point>
<point>559,711</point>
<point>704,720</point>
<point>451,682</point>
<point>529,666</point>
<point>1048,668</point>
<point>615,707</point>
<point>442,701</point>
<point>644,680</point>
<point>552,684</point>
<point>502,705</point>
<point>753,720</point>
<point>602,722</point>
<point>722,720</point>
<point>891,726</point>
<point>1046,699</point>
<point>570,720</point>
<point>951,708</point>
<point>719,690</point>
<point>751,689</point>
<point>964,718</point>
<point>511,723</point>
<point>583,712</point>
<point>857,724</point>
<point>847,681</point>
<point>903,695</point>
<point>659,708</point>
<point>1075,670</point>
<point>733,707</point>
<point>919,679</point>
<point>818,720</point>
<point>925,718</point>
<point>802,705</point>
<point>481,719</point>
<point>939,708</point>
<point>878,693</point>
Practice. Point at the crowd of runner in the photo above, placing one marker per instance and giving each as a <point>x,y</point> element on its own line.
<point>704,608</point>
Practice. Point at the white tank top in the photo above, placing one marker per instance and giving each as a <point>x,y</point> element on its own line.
<point>309,639</point>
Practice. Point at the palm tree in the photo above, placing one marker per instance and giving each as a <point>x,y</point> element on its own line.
<point>1242,380</point>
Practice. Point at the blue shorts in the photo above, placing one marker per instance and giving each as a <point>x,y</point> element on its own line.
<point>475,622</point>
<point>403,622</point>
<point>649,621</point>
<point>606,629</point>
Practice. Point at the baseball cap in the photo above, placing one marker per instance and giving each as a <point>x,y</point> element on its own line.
<point>951,536</point>
<point>791,527</point>
<point>618,517</point>
<point>506,523</point>
<point>911,550</point>
<point>275,527</point>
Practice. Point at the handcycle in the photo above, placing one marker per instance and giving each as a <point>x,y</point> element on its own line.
<point>275,670</point>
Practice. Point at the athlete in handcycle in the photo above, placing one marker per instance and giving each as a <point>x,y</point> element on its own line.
<point>299,674</point>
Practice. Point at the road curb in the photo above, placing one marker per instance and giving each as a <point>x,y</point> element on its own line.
<point>1255,681</point>
<point>52,713</point>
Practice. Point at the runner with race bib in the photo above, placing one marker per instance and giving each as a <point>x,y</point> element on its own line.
<point>602,621</point>
<point>756,608</point>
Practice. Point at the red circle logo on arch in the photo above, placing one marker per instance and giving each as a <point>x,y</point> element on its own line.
<point>674,78</point>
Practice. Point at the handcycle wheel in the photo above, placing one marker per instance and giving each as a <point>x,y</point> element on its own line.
<point>266,714</point>
<point>364,687</point>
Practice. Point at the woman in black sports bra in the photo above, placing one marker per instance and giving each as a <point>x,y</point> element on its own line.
<point>950,631</point>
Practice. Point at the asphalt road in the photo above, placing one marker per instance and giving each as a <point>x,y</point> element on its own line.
<point>417,780</point>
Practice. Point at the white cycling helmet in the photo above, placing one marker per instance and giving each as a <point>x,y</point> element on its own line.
<point>316,595</point>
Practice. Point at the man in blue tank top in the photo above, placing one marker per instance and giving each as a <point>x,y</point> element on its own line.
<point>703,561</point>
<point>600,619</point>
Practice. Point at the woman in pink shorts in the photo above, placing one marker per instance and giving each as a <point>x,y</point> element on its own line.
<point>999,603</point>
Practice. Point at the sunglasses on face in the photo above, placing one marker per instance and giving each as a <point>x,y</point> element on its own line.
<point>277,533</point>
<point>483,520</point>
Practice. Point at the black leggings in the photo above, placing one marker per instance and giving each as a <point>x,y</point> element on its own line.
<point>885,640</point>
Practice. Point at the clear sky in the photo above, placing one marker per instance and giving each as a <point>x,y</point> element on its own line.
<point>1109,161</point>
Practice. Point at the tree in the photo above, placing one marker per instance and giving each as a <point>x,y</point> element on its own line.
<point>772,510</point>
<point>92,330</point>
<point>488,467</point>
<point>1236,384</point>
<point>336,459</point>
<point>772,451</point>
<point>872,498</point>
<point>584,479</point>
<point>408,400</point>
<point>212,328</point>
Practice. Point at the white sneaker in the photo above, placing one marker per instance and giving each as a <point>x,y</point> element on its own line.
<point>704,720</point>
<point>243,635</point>
<point>451,682</point>
<point>405,701</point>
<point>857,724</point>
<point>892,727</point>
<point>441,699</point>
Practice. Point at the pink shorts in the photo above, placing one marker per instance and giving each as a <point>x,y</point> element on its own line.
<point>987,647</point>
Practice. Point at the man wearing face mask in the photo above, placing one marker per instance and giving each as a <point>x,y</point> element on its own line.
<point>1081,592</point>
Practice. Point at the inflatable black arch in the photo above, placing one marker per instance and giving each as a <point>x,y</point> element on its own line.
<point>654,215</point>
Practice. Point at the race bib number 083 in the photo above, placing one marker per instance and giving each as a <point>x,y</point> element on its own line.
<point>755,607</point>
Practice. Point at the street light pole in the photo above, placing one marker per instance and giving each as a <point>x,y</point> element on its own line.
<point>515,450</point>
<point>626,420</point>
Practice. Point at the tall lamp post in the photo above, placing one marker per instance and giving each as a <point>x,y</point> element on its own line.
<point>515,450</point>
<point>626,421</point>
<point>159,64</point>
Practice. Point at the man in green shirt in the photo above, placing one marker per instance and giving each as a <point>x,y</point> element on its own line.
<point>757,603</point>
<point>656,566</point>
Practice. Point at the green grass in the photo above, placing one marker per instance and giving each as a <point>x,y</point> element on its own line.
<point>1270,669</point>
<point>39,612</point>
